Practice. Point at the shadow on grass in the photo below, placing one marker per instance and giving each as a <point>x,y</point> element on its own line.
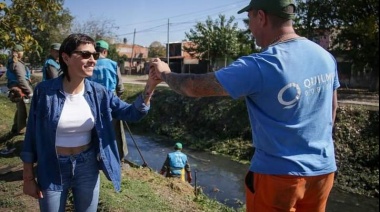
<point>11,175</point>
<point>7,137</point>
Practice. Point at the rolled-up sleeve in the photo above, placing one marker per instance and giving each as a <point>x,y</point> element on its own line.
<point>140,105</point>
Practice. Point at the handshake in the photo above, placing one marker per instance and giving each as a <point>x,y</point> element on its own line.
<point>158,69</point>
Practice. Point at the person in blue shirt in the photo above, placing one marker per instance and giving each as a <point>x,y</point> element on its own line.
<point>70,134</point>
<point>20,88</point>
<point>176,164</point>
<point>51,66</point>
<point>290,89</point>
<point>107,73</point>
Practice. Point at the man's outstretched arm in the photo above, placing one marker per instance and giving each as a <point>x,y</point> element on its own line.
<point>193,85</point>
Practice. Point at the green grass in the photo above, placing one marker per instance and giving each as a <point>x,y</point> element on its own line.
<point>139,195</point>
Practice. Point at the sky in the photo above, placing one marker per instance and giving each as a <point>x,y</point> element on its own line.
<point>150,18</point>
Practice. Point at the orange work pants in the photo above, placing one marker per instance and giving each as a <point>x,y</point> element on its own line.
<point>269,193</point>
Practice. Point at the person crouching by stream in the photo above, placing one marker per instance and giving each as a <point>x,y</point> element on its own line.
<point>70,133</point>
<point>176,164</point>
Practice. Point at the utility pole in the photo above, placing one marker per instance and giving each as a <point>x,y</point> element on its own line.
<point>133,48</point>
<point>167,48</point>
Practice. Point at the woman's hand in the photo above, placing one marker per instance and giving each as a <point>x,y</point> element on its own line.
<point>31,188</point>
<point>153,80</point>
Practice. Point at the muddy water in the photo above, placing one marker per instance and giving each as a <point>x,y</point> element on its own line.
<point>222,179</point>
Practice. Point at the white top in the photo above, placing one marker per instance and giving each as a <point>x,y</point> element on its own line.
<point>75,123</point>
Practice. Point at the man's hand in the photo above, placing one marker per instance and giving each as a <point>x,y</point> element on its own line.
<point>157,67</point>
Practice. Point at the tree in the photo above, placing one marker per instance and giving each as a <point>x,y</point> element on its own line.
<point>20,21</point>
<point>358,39</point>
<point>356,24</point>
<point>156,49</point>
<point>214,39</point>
<point>97,28</point>
<point>57,29</point>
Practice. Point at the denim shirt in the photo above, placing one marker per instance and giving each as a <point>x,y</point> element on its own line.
<point>45,111</point>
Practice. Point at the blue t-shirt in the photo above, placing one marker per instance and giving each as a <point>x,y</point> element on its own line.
<point>49,62</point>
<point>288,90</point>
<point>105,73</point>
<point>177,161</point>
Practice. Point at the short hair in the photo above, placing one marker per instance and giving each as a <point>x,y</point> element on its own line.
<point>69,45</point>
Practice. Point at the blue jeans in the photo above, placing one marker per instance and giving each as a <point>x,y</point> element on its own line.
<point>80,173</point>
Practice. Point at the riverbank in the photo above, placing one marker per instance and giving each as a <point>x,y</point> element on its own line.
<point>219,124</point>
<point>201,124</point>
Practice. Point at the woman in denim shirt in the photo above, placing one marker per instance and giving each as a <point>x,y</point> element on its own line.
<point>70,134</point>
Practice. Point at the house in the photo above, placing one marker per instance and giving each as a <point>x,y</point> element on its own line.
<point>181,61</point>
<point>137,56</point>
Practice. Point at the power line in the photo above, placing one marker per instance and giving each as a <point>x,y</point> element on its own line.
<point>174,24</point>
<point>186,14</point>
<point>181,25</point>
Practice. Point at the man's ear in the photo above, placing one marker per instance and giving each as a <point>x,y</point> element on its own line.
<point>262,16</point>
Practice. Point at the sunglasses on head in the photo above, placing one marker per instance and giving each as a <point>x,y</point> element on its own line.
<point>87,54</point>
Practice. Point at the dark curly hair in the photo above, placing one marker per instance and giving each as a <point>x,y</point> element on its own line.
<point>68,46</point>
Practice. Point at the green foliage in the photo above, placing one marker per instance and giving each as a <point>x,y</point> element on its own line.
<point>114,55</point>
<point>355,25</point>
<point>6,114</point>
<point>20,20</point>
<point>357,150</point>
<point>156,49</point>
<point>214,39</point>
<point>4,59</point>
<point>57,28</point>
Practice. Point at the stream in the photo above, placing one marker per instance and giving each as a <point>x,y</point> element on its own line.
<point>223,179</point>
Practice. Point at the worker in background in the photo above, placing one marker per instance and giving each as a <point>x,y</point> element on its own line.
<point>51,66</point>
<point>176,164</point>
<point>107,73</point>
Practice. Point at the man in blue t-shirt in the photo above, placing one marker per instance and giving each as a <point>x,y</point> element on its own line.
<point>107,73</point>
<point>176,164</point>
<point>290,89</point>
